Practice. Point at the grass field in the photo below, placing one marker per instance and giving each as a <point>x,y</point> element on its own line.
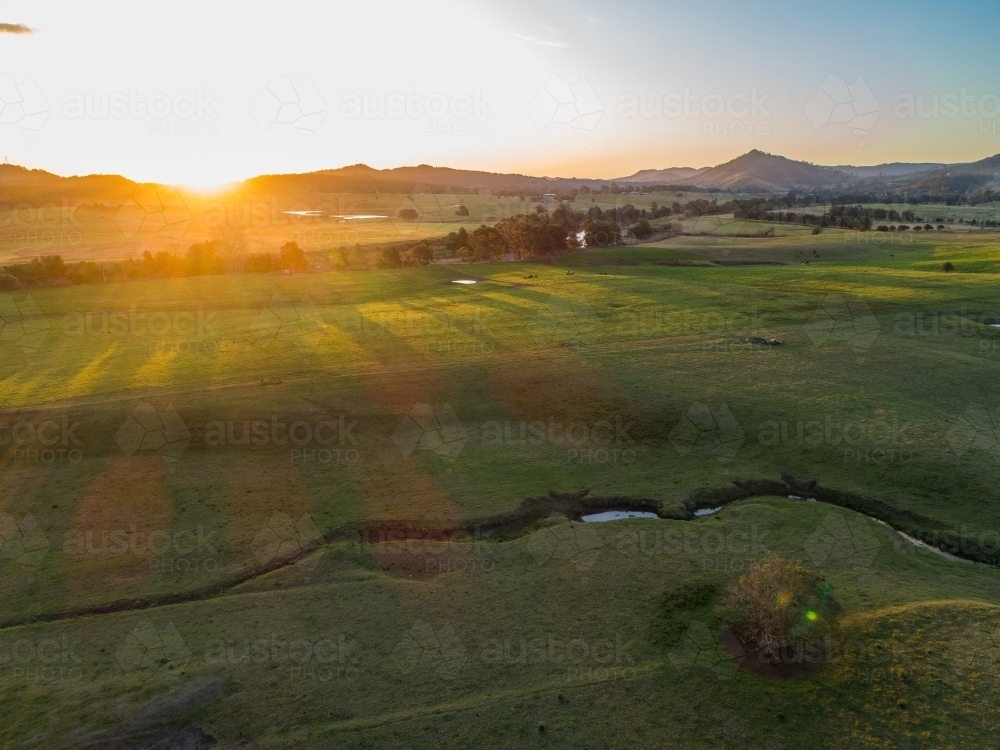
<point>164,437</point>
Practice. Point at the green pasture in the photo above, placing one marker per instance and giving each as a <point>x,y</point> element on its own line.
<point>158,437</point>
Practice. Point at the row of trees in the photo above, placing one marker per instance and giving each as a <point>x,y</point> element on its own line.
<point>538,236</point>
<point>201,259</point>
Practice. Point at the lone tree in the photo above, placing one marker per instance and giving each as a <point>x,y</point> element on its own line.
<point>487,244</point>
<point>389,258</point>
<point>422,253</point>
<point>293,258</point>
<point>948,267</point>
<point>641,230</point>
<point>778,600</point>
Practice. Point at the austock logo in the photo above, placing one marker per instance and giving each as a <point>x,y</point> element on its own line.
<point>22,323</point>
<point>145,429</point>
<point>577,543</point>
<point>23,105</point>
<point>422,205</point>
<point>281,538</point>
<point>284,102</point>
<point>564,322</point>
<point>845,538</point>
<point>978,429</point>
<point>149,647</point>
<point>428,650</point>
<point>699,649</point>
<point>22,541</point>
<point>424,429</point>
<point>835,101</point>
<point>844,321</point>
<point>284,320</point>
<point>701,431</point>
<point>573,104</point>
<point>154,209</point>
<point>976,649</point>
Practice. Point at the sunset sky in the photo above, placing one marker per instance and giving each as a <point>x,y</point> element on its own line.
<point>575,89</point>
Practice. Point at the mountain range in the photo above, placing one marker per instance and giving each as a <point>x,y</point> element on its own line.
<point>753,172</point>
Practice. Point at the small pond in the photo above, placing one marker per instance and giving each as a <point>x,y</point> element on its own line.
<point>706,511</point>
<point>616,515</point>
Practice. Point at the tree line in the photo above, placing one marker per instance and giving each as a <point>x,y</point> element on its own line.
<point>200,259</point>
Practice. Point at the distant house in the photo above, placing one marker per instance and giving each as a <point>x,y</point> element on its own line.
<point>549,198</point>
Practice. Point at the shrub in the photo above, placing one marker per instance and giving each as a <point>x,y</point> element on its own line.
<point>601,233</point>
<point>641,230</point>
<point>422,253</point>
<point>486,244</point>
<point>8,283</point>
<point>389,258</point>
<point>293,258</point>
<point>356,259</point>
<point>777,600</point>
<point>948,267</point>
<point>261,263</point>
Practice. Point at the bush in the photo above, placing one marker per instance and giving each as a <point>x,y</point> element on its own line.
<point>409,214</point>
<point>261,263</point>
<point>8,283</point>
<point>356,259</point>
<point>389,258</point>
<point>777,601</point>
<point>293,258</point>
<point>529,236</point>
<point>948,267</point>
<point>486,244</point>
<point>817,229</point>
<point>641,230</point>
<point>422,254</point>
<point>601,233</point>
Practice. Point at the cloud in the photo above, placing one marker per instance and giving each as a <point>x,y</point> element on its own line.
<point>15,28</point>
<point>537,41</point>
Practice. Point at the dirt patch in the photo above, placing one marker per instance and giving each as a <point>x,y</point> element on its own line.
<point>791,661</point>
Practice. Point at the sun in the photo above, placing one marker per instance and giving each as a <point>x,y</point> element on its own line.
<point>207,186</point>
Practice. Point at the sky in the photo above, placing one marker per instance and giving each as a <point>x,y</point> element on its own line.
<point>204,93</point>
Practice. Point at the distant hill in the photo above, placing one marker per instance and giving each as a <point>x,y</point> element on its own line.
<point>37,186</point>
<point>757,171</point>
<point>977,176</point>
<point>895,169</point>
<point>662,176</point>
<point>362,178</point>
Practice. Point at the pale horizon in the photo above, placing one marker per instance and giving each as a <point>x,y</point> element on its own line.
<point>553,89</point>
